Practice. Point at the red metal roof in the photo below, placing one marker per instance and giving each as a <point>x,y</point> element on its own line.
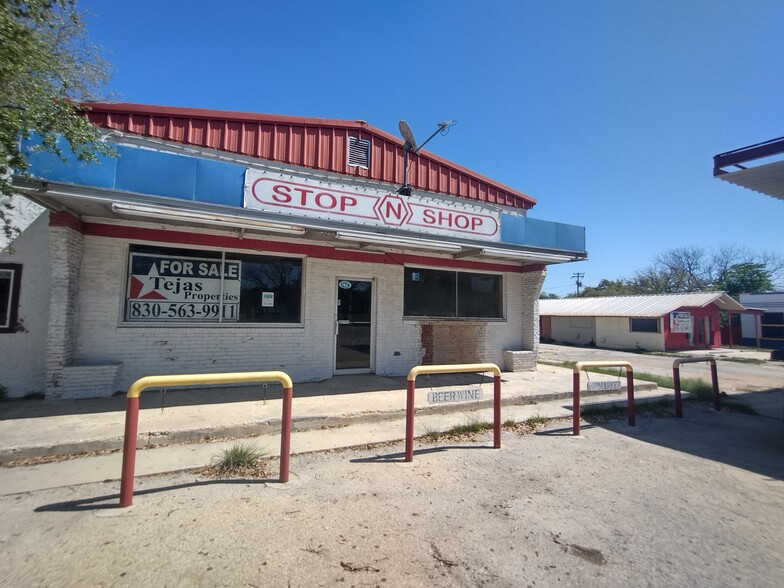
<point>318,143</point>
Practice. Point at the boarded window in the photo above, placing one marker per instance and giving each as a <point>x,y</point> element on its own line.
<point>581,322</point>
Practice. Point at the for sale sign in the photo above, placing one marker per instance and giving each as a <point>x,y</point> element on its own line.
<point>680,322</point>
<point>182,289</point>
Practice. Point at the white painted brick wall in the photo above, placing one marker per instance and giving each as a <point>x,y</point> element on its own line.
<point>65,254</point>
<point>305,352</point>
<point>23,354</point>
<point>89,381</point>
<point>531,287</point>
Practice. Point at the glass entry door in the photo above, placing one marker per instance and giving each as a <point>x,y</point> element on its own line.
<point>353,328</point>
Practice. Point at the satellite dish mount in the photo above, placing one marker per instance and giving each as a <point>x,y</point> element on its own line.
<point>411,146</point>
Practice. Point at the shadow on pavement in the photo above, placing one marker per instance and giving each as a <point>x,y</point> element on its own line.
<point>400,457</point>
<point>102,502</point>
<point>753,442</point>
<point>155,398</point>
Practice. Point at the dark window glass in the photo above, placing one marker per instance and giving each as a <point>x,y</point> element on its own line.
<point>773,318</point>
<point>644,325</point>
<point>449,294</point>
<point>479,295</point>
<point>10,278</point>
<point>772,332</point>
<point>270,290</point>
<point>429,292</point>
<point>6,280</point>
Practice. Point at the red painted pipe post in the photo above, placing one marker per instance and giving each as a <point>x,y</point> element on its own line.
<point>715,382</point>
<point>676,378</point>
<point>285,436</point>
<point>576,403</point>
<point>411,386</point>
<point>497,412</point>
<point>129,451</point>
<point>630,396</point>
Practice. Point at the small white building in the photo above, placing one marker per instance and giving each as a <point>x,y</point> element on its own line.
<point>661,322</point>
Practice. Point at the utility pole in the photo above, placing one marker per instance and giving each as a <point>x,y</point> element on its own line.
<point>578,276</point>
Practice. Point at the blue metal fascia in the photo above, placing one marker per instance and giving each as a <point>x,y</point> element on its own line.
<point>533,232</point>
<point>156,173</point>
<point>143,171</point>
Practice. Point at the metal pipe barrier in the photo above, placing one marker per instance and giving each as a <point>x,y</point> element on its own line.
<point>676,377</point>
<point>452,369</point>
<point>132,416</point>
<point>578,367</point>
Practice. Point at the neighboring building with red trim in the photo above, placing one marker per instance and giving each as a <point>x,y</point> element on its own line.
<point>221,241</point>
<point>661,322</point>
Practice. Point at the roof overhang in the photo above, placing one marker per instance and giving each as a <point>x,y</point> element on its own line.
<point>654,305</point>
<point>765,178</point>
<point>114,205</point>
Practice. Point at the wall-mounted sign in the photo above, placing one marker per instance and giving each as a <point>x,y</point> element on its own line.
<point>680,322</point>
<point>435,397</point>
<point>610,385</point>
<point>304,197</point>
<point>164,288</point>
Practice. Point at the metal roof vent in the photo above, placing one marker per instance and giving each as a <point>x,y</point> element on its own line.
<point>359,152</point>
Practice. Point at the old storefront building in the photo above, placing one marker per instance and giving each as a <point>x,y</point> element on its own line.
<point>220,241</point>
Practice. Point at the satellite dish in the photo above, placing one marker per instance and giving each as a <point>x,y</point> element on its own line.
<point>405,132</point>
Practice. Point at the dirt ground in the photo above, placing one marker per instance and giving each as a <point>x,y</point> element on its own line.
<point>736,373</point>
<point>697,501</point>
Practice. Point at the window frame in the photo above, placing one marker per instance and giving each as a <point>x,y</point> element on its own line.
<point>456,273</point>
<point>12,310</point>
<point>222,255</point>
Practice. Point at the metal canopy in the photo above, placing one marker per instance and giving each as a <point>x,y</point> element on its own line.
<point>653,305</point>
<point>766,178</point>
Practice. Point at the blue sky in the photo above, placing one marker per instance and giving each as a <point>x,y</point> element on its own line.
<point>608,112</point>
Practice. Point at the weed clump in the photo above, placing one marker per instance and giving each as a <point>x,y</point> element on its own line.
<point>239,460</point>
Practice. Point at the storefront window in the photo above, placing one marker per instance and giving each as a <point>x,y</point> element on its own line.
<point>184,286</point>
<point>448,294</point>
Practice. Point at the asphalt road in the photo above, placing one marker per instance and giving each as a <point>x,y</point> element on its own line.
<point>697,501</point>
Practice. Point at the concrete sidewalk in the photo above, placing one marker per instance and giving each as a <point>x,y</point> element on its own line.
<point>35,428</point>
<point>193,425</point>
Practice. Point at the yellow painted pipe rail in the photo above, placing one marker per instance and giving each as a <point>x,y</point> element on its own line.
<point>581,365</point>
<point>132,415</point>
<point>676,379</point>
<point>459,368</point>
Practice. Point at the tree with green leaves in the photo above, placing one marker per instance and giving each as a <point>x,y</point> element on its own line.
<point>47,66</point>
<point>744,277</point>
<point>731,268</point>
<point>610,288</point>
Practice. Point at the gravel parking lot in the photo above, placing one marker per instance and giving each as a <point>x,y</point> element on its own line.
<point>739,371</point>
<point>672,502</point>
